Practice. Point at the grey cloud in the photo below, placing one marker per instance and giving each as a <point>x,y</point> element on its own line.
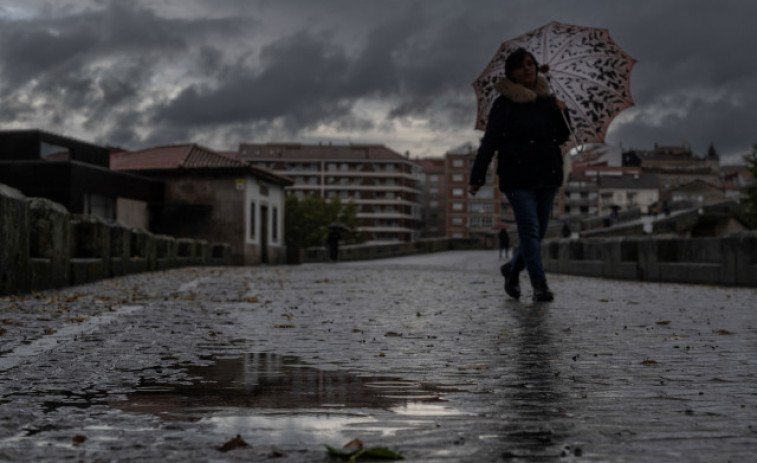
<point>299,80</point>
<point>268,69</point>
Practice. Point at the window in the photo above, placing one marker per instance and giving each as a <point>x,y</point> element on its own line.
<point>481,221</point>
<point>457,177</point>
<point>252,219</point>
<point>458,163</point>
<point>457,220</point>
<point>457,192</point>
<point>457,206</point>
<point>481,207</point>
<point>433,178</point>
<point>275,225</point>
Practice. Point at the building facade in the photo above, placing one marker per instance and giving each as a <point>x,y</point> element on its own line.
<point>470,216</point>
<point>75,174</point>
<point>216,198</point>
<point>626,192</point>
<point>383,184</point>
<point>433,198</point>
<point>675,166</point>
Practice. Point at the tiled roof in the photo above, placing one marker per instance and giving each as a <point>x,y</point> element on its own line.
<point>628,182</point>
<point>321,152</point>
<point>190,156</point>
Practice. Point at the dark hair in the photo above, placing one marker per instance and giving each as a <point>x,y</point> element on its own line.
<point>515,60</point>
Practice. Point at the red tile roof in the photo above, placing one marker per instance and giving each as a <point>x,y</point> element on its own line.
<point>189,156</point>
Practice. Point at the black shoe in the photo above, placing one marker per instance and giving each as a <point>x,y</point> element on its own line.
<point>512,281</point>
<point>542,293</point>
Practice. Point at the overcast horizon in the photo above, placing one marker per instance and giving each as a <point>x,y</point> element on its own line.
<point>138,73</point>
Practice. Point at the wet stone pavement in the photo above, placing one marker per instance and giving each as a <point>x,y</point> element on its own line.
<point>423,355</point>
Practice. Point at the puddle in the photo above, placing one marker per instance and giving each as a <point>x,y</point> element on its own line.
<point>279,400</point>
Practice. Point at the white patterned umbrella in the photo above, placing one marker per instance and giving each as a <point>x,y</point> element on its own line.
<point>587,70</point>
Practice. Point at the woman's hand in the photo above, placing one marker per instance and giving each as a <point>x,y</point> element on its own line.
<point>560,105</point>
<point>473,189</point>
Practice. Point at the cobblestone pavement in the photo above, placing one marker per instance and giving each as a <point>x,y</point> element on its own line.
<point>423,355</point>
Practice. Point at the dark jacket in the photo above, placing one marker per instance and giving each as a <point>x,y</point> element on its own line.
<point>526,129</point>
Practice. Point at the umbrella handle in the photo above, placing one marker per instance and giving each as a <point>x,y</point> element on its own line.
<point>579,147</point>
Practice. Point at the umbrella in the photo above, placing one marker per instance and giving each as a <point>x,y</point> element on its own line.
<point>339,226</point>
<point>587,70</point>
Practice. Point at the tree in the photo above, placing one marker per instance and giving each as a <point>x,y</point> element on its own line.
<point>307,220</point>
<point>749,199</point>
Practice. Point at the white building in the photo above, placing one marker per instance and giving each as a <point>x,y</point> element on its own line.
<point>383,184</point>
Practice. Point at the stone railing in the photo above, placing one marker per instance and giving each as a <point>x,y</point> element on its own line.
<point>727,260</point>
<point>43,246</point>
<point>381,251</point>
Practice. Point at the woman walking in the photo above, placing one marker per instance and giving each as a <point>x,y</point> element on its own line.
<point>526,127</point>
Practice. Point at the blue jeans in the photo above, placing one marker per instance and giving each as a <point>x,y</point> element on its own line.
<point>532,208</point>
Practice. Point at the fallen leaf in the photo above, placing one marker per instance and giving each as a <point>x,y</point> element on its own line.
<point>393,334</point>
<point>283,326</point>
<point>664,322</point>
<point>354,444</point>
<point>649,362</point>
<point>49,331</point>
<point>252,299</point>
<point>79,439</point>
<point>234,443</point>
<point>722,332</point>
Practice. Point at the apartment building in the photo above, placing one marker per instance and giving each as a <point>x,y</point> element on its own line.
<point>383,184</point>
<point>469,216</point>
<point>433,198</point>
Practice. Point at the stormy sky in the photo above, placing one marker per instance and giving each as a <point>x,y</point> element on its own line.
<point>139,73</point>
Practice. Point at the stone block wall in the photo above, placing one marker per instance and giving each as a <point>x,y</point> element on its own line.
<point>381,251</point>
<point>728,260</point>
<point>43,246</point>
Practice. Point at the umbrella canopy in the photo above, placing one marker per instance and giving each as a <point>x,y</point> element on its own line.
<point>587,70</point>
<point>338,226</point>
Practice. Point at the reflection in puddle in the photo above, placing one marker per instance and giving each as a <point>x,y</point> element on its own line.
<point>279,400</point>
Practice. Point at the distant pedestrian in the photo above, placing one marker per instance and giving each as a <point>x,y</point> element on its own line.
<point>566,232</point>
<point>504,242</point>
<point>333,242</point>
<point>526,127</point>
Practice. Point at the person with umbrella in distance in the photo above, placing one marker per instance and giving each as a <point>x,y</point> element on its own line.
<point>526,126</point>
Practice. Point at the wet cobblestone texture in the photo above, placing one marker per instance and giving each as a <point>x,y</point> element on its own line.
<point>423,355</point>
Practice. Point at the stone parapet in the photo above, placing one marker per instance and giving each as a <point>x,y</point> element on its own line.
<point>49,244</point>
<point>381,251</point>
<point>43,246</point>
<point>14,241</point>
<point>729,260</point>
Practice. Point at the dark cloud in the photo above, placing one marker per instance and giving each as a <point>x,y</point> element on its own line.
<point>136,72</point>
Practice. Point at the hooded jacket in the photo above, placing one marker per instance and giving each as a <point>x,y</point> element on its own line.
<point>525,129</point>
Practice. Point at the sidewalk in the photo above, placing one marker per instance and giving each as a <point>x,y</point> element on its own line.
<point>423,355</point>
